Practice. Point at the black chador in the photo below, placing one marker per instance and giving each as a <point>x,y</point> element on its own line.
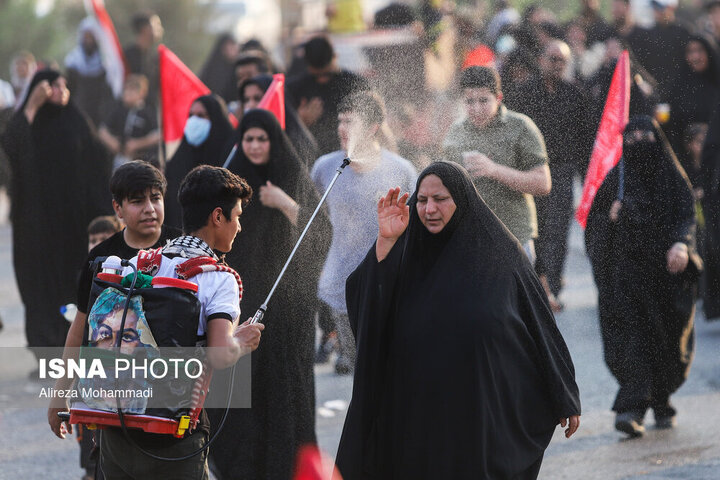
<point>218,73</point>
<point>59,183</point>
<point>711,209</point>
<point>646,313</point>
<point>262,442</point>
<point>461,370</point>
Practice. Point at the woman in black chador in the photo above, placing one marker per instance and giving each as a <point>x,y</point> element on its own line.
<point>710,182</point>
<point>218,73</point>
<point>262,442</point>
<point>461,370</point>
<point>251,92</point>
<point>697,90</point>
<point>640,240</point>
<point>205,141</point>
<point>60,174</point>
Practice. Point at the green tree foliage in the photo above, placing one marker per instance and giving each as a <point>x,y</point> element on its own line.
<point>51,36</point>
<point>22,29</point>
<point>184,22</point>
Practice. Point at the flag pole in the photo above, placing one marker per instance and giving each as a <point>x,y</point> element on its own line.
<point>230,157</point>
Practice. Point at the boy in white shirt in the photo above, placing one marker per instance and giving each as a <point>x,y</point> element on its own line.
<point>212,200</point>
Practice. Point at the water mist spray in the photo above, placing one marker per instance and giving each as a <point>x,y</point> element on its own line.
<point>263,308</point>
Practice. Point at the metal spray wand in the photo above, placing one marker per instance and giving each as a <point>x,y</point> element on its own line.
<point>263,308</point>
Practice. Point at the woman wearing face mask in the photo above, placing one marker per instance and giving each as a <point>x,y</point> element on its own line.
<point>694,97</point>
<point>207,134</point>
<point>461,371</point>
<point>640,238</point>
<point>262,442</point>
<point>251,92</point>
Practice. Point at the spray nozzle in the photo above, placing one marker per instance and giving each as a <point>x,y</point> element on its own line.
<point>346,162</point>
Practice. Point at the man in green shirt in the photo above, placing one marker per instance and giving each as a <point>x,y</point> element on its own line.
<point>503,151</point>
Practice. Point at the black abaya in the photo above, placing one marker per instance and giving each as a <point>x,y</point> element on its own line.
<point>218,73</point>
<point>461,370</point>
<point>210,152</point>
<point>695,95</point>
<point>262,442</point>
<point>59,183</point>
<point>646,313</point>
<point>711,208</point>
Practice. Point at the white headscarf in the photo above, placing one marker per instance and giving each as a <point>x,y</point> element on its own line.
<point>88,66</point>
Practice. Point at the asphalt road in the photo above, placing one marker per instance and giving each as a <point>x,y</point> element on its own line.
<point>28,450</point>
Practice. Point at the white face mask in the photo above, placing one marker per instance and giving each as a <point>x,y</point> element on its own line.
<point>197,130</point>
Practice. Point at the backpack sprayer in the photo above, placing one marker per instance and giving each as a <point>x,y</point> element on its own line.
<point>176,325</point>
<point>167,425</point>
<point>263,308</point>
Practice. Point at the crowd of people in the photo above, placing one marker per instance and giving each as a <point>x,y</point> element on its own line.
<point>471,183</point>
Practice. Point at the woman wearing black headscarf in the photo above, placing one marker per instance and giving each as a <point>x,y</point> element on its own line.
<point>59,183</point>
<point>640,239</point>
<point>262,442</point>
<point>697,91</point>
<point>218,73</point>
<point>205,140</point>
<point>643,88</point>
<point>251,92</point>
<point>461,370</point>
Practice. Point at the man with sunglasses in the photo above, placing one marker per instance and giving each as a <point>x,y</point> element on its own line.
<point>318,92</point>
<point>561,110</point>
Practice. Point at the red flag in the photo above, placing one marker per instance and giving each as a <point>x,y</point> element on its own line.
<point>311,465</point>
<point>179,87</point>
<point>109,44</point>
<point>608,142</point>
<point>233,120</point>
<point>482,56</point>
<point>274,98</point>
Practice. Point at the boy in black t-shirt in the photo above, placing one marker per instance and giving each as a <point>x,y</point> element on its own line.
<point>137,189</point>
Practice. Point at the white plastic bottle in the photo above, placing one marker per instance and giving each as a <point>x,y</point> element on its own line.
<point>69,311</point>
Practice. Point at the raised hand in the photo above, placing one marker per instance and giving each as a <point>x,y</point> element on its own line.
<point>39,95</point>
<point>393,216</point>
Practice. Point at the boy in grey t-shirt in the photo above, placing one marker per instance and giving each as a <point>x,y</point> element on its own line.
<point>353,202</point>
